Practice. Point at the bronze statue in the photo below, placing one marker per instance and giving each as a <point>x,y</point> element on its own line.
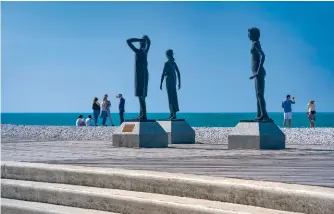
<point>259,73</point>
<point>141,72</point>
<point>171,73</point>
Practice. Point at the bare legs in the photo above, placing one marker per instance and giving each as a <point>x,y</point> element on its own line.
<point>311,118</point>
<point>289,123</point>
<point>110,119</point>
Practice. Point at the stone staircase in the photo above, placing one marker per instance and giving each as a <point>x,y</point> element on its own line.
<point>32,188</point>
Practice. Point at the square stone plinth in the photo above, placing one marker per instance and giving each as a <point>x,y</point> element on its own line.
<point>140,134</point>
<point>179,131</point>
<point>256,135</point>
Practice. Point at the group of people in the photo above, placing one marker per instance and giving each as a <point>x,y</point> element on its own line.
<point>286,105</point>
<point>81,121</point>
<point>102,110</point>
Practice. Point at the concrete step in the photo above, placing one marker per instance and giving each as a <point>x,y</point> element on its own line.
<point>271,195</point>
<point>121,201</point>
<point>10,206</point>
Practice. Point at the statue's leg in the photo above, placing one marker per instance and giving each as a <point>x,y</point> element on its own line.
<point>142,103</point>
<point>140,110</point>
<point>260,94</point>
<point>258,108</point>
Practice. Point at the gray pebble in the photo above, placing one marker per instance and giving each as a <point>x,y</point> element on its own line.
<point>212,135</point>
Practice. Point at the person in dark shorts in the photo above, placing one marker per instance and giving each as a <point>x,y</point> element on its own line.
<point>311,112</point>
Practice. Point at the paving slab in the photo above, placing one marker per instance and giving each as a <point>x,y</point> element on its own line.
<point>11,206</point>
<point>270,195</point>
<point>299,164</point>
<point>122,201</point>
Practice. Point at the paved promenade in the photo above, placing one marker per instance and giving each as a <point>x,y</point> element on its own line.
<point>301,164</point>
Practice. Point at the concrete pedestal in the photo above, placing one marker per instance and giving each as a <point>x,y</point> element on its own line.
<point>140,134</point>
<point>179,131</point>
<point>256,135</point>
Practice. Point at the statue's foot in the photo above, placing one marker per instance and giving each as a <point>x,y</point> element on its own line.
<point>172,117</point>
<point>262,118</point>
<point>258,119</point>
<point>169,117</point>
<point>142,117</point>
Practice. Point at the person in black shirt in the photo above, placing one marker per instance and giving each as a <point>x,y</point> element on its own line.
<point>96,109</point>
<point>121,107</point>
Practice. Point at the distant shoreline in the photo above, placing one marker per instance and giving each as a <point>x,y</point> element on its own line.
<point>116,112</point>
<point>299,120</point>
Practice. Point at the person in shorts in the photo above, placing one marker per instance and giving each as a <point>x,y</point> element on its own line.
<point>108,109</point>
<point>311,112</point>
<point>286,105</point>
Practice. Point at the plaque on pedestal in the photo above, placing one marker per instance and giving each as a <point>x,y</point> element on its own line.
<point>140,134</point>
<point>179,131</point>
<point>256,135</point>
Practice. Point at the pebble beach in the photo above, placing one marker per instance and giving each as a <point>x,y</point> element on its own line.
<point>19,133</point>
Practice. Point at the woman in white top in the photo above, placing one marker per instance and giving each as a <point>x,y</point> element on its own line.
<point>80,121</point>
<point>89,121</point>
<point>104,111</point>
<point>311,112</point>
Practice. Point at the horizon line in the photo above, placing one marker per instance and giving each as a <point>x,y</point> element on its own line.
<point>152,112</point>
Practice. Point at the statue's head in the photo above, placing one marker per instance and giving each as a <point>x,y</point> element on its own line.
<point>143,43</point>
<point>170,54</point>
<point>254,33</point>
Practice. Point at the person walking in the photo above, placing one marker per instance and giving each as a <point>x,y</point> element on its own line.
<point>286,105</point>
<point>311,112</point>
<point>121,107</point>
<point>96,110</point>
<point>108,103</point>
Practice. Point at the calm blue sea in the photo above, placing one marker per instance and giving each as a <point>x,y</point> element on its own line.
<point>195,119</point>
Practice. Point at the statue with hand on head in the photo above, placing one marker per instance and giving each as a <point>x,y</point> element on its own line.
<point>141,72</point>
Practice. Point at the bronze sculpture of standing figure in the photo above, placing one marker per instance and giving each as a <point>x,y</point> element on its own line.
<point>141,72</point>
<point>171,73</point>
<point>259,73</point>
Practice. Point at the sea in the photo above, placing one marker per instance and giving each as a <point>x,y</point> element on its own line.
<point>299,120</point>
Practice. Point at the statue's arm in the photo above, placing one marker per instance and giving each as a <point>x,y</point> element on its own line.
<point>148,44</point>
<point>130,43</point>
<point>178,74</point>
<point>163,75</point>
<point>261,54</point>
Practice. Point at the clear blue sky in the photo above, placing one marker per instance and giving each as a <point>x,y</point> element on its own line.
<point>56,56</point>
